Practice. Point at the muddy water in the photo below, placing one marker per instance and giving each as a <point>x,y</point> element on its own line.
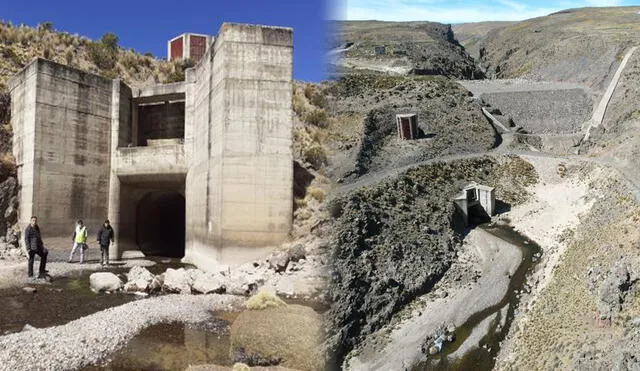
<point>63,300</point>
<point>483,357</point>
<point>175,345</point>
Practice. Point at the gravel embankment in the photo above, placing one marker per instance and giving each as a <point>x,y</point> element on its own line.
<point>92,338</point>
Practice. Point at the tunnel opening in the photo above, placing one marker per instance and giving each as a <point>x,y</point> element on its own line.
<point>160,224</point>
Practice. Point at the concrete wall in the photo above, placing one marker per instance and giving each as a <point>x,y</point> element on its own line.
<point>23,119</point>
<point>242,157</point>
<point>159,160</point>
<point>64,136</point>
<point>73,131</point>
<point>160,121</point>
<point>544,111</point>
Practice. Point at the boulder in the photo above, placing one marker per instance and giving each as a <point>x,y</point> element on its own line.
<point>241,282</point>
<point>297,253</point>
<point>279,261</point>
<point>13,237</point>
<point>105,281</point>
<point>177,280</point>
<point>156,283</point>
<point>210,282</point>
<point>290,334</point>
<point>138,279</point>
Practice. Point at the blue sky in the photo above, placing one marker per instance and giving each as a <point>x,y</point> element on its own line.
<point>147,25</point>
<point>460,11</point>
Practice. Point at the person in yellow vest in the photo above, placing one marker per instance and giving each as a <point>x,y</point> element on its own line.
<point>79,241</point>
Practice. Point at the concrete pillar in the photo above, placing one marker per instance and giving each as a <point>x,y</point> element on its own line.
<point>240,183</point>
<point>114,183</point>
<point>134,124</point>
<point>23,120</point>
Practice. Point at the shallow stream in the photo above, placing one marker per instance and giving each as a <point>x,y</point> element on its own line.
<point>498,317</point>
<point>164,346</point>
<point>62,300</point>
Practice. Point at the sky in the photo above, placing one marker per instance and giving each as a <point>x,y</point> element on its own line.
<point>460,11</point>
<point>146,26</point>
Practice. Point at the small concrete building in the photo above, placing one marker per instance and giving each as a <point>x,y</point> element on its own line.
<point>188,45</point>
<point>379,50</point>
<point>407,125</point>
<point>200,169</point>
<point>475,198</point>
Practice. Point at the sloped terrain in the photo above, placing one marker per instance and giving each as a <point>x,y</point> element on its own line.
<point>471,35</point>
<point>363,131</point>
<point>578,45</point>
<point>394,240</point>
<point>421,48</point>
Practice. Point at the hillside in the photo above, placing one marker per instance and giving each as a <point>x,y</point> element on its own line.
<point>470,35</point>
<point>363,131</point>
<point>20,44</point>
<point>421,48</point>
<point>577,45</point>
<point>406,271</point>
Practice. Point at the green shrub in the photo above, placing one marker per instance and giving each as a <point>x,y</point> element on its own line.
<point>104,53</point>
<point>314,96</point>
<point>5,107</point>
<point>316,156</point>
<point>175,76</point>
<point>317,117</point>
<point>45,27</point>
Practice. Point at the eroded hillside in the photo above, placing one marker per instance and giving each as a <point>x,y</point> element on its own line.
<point>577,45</point>
<point>421,48</point>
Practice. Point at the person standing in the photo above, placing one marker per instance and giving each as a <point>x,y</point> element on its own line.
<point>79,241</point>
<point>105,238</point>
<point>34,245</point>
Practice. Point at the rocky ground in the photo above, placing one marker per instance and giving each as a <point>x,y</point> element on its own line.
<point>584,293</point>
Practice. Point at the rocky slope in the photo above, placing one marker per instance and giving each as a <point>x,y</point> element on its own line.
<point>394,240</point>
<point>578,45</point>
<point>470,35</point>
<point>421,48</point>
<point>20,44</point>
<point>363,132</point>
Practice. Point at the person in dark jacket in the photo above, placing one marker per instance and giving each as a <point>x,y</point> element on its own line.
<point>105,237</point>
<point>34,245</point>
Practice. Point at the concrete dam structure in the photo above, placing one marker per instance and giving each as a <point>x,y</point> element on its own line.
<point>200,169</point>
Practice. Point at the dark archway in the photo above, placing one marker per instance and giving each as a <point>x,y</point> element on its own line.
<point>160,224</point>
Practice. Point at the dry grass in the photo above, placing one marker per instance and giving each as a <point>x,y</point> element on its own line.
<point>19,45</point>
<point>292,333</point>
<point>564,314</point>
<point>264,299</point>
<point>317,193</point>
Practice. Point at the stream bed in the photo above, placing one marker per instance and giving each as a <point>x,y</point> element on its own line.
<point>491,325</point>
<point>62,300</point>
